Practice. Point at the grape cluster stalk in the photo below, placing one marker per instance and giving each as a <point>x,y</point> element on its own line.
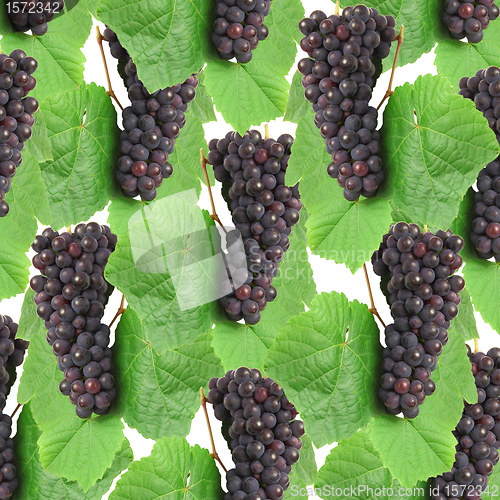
<point>469,18</point>
<point>423,293</point>
<point>12,351</point>
<point>16,115</point>
<point>264,210</point>
<point>264,435</point>
<point>240,27</point>
<point>151,123</point>
<point>33,15</point>
<point>477,433</point>
<point>71,294</point>
<point>484,89</point>
<point>338,76</point>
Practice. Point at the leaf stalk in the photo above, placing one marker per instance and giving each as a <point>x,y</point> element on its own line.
<point>214,453</point>
<point>214,215</point>
<point>390,92</point>
<point>372,309</point>
<point>110,91</point>
<point>120,311</point>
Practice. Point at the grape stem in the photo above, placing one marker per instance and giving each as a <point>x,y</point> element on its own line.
<point>266,129</point>
<point>214,454</point>
<point>214,215</point>
<point>16,410</point>
<point>110,92</point>
<point>337,8</point>
<point>372,309</point>
<point>390,92</point>
<point>426,229</point>
<point>120,311</point>
<point>476,346</point>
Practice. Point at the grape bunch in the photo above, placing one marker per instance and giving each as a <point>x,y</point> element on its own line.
<point>16,115</point>
<point>424,298</point>
<point>35,15</point>
<point>71,294</point>
<point>264,209</point>
<point>484,90</point>
<point>239,27</point>
<point>8,480</point>
<point>12,352</point>
<point>264,433</point>
<point>468,19</point>
<point>151,125</point>
<point>15,347</point>
<point>477,433</point>
<point>339,75</point>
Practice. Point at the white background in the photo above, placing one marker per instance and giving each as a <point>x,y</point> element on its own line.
<point>328,275</point>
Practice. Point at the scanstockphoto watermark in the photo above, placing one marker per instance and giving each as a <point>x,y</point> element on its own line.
<point>171,237</point>
<point>356,491</point>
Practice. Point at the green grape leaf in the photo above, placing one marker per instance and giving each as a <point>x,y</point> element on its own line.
<point>354,465</point>
<point>354,468</point>
<point>415,449</point>
<point>304,472</point>
<point>185,159</point>
<point>436,155</point>
<point>39,145</point>
<point>345,232</point>
<point>77,449</point>
<point>83,136</point>
<point>456,59</point>
<point>80,449</point>
<point>493,487</point>
<point>5,25</point>
<point>326,360</point>
<point>482,278</point>
<point>202,107</point>
<point>40,374</point>
<point>29,324</point>
<point>297,106</point>
<point>166,267</point>
<point>237,344</point>
<point>174,470</point>
<point>462,225</point>
<point>168,41</point>
<point>419,492</point>
<point>422,22</point>
<point>37,484</point>
<point>58,52</point>
<point>18,229</point>
<point>249,94</point>
<point>465,323</point>
<point>160,394</point>
<point>29,193</point>
<point>283,21</point>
